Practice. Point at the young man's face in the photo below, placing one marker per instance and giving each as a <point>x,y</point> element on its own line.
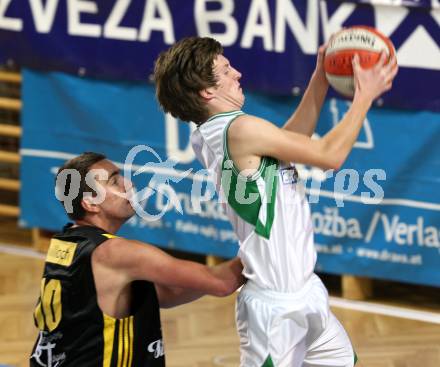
<point>228,87</point>
<point>117,191</point>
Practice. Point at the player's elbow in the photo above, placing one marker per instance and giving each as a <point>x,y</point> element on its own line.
<point>331,159</point>
<point>335,164</point>
<point>224,289</point>
<point>330,162</point>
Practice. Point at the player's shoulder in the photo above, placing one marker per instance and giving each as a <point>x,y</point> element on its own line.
<point>247,125</point>
<point>117,248</point>
<point>111,249</point>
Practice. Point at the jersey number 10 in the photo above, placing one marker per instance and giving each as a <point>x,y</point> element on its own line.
<point>47,313</point>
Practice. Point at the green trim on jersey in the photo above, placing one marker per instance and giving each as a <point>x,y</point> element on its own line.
<point>251,206</point>
<point>222,114</point>
<point>270,184</point>
<point>268,362</point>
<point>232,165</point>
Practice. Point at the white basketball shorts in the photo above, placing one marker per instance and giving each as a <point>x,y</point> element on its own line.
<point>290,329</point>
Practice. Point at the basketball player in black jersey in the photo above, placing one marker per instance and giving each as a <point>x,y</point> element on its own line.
<point>100,294</point>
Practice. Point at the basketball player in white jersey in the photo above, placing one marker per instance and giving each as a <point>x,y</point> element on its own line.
<point>283,317</point>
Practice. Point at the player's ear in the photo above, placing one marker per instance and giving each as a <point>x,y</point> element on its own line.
<point>207,93</point>
<point>89,205</point>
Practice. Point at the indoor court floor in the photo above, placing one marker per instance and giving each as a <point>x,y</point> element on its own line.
<point>202,334</point>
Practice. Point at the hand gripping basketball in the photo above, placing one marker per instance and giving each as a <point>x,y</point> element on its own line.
<point>368,44</point>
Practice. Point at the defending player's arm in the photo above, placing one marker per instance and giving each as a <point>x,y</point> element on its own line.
<point>304,119</point>
<point>249,136</point>
<point>174,296</point>
<point>178,281</point>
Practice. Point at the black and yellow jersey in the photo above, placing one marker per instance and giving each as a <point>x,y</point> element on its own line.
<point>74,332</point>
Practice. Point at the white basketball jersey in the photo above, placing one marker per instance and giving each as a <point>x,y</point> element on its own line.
<point>269,213</point>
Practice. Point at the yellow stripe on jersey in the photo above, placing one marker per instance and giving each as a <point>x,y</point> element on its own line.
<point>124,328</point>
<point>108,235</point>
<point>130,339</point>
<point>126,341</point>
<point>120,342</point>
<point>61,252</point>
<point>109,335</point>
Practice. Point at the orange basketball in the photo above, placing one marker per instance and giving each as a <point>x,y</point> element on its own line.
<point>365,41</point>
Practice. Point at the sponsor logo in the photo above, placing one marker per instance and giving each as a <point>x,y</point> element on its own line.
<point>156,348</point>
<point>44,351</point>
<point>61,252</point>
<point>289,175</point>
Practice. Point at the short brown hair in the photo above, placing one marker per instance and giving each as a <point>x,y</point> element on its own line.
<point>181,72</point>
<point>82,165</point>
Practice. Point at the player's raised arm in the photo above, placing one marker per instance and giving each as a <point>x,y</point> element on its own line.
<point>249,136</point>
<point>305,117</point>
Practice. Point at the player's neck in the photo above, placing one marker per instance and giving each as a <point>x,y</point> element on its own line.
<point>222,106</point>
<point>96,221</point>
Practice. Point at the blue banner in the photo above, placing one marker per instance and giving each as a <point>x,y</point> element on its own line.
<point>120,39</point>
<point>378,216</point>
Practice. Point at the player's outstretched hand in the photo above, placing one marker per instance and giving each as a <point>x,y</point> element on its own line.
<point>319,69</point>
<point>372,82</point>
